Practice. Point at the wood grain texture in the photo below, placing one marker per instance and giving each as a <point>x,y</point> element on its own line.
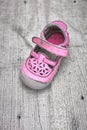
<point>63,106</point>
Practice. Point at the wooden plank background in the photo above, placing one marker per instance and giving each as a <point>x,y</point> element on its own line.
<point>63,106</point>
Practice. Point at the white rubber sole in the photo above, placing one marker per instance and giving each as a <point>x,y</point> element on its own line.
<point>32,83</point>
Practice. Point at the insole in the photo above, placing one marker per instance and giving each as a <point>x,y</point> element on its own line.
<point>56,38</point>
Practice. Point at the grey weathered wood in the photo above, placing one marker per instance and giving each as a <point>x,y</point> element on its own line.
<point>63,106</point>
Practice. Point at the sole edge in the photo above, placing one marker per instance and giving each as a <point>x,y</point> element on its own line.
<point>32,83</point>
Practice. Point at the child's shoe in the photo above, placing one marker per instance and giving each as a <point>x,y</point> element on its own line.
<point>41,66</point>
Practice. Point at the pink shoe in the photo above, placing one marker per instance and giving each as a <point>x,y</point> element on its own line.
<point>41,66</point>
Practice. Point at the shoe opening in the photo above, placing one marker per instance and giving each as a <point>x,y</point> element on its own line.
<point>54,35</point>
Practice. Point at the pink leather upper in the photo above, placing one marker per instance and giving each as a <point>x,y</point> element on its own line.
<point>38,67</point>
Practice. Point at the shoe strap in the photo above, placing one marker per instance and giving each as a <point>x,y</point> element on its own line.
<point>57,50</point>
<point>45,59</point>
